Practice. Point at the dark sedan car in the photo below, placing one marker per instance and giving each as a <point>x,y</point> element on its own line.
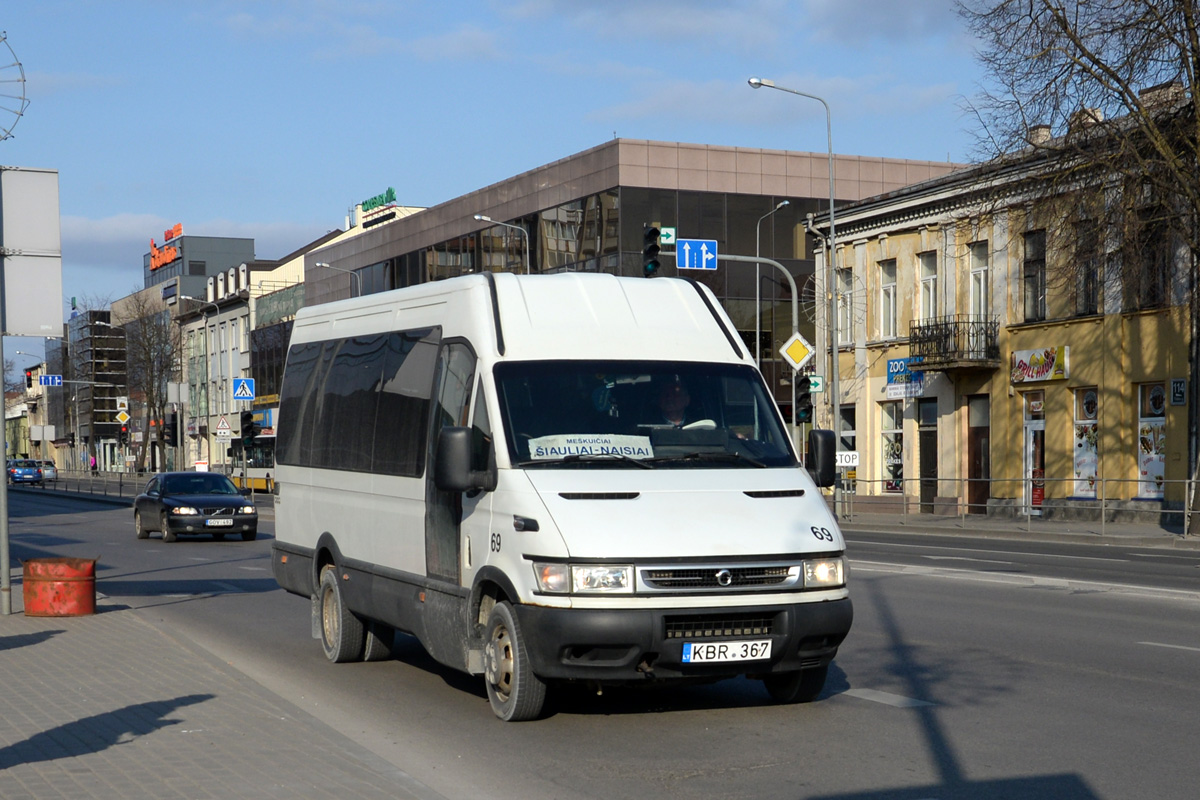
<point>193,502</point>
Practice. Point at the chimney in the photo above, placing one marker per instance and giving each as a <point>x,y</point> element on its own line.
<point>1038,134</point>
<point>1161,95</point>
<point>1084,118</point>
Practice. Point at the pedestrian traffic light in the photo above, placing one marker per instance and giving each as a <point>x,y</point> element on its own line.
<point>650,249</point>
<point>249,429</point>
<point>28,379</point>
<point>170,430</point>
<point>804,404</point>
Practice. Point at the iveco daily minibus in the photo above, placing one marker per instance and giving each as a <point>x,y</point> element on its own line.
<point>549,478</point>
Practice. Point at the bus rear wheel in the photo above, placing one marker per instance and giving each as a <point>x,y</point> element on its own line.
<point>342,633</point>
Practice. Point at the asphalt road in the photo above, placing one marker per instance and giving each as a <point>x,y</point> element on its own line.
<point>974,669</point>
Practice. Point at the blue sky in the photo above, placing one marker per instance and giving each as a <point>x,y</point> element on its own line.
<point>270,118</point>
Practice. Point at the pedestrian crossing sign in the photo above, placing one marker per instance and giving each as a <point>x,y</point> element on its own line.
<point>243,388</point>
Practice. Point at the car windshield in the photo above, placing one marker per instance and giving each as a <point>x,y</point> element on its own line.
<point>198,483</point>
<point>639,415</point>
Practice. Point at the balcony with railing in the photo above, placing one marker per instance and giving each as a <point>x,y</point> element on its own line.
<point>961,341</point>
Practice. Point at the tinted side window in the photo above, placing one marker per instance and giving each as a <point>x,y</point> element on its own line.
<point>359,404</point>
<point>297,403</point>
<point>403,416</point>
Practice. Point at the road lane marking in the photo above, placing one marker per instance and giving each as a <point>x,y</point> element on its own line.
<point>1172,646</point>
<point>989,552</point>
<point>1013,579</point>
<point>887,698</point>
<point>968,558</point>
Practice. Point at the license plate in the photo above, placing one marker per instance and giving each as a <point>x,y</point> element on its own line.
<point>219,523</point>
<point>707,652</point>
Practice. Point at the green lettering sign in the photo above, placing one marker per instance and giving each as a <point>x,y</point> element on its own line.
<point>379,200</point>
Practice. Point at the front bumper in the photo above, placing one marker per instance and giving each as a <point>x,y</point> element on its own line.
<point>623,645</point>
<point>241,523</point>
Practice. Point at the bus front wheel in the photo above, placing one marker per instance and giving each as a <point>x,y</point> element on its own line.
<point>514,692</point>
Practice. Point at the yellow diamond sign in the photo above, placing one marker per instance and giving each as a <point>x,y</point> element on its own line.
<point>796,351</point>
<point>122,417</point>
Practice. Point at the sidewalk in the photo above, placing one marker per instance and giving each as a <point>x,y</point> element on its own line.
<point>110,706</point>
<point>1129,534</point>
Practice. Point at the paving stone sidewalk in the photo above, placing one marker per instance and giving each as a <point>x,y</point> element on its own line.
<point>108,706</point>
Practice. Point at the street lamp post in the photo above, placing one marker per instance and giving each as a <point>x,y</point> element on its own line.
<point>349,272</point>
<point>831,275</point>
<point>485,218</point>
<point>758,287</point>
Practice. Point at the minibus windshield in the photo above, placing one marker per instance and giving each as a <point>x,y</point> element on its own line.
<point>639,414</point>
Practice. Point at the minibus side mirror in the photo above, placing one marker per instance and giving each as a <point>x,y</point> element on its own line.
<point>821,459</point>
<point>452,463</point>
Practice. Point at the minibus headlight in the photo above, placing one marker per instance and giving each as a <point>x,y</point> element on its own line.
<point>587,579</point>
<point>824,573</point>
<point>584,578</point>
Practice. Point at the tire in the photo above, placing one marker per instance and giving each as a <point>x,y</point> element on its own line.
<point>168,535</point>
<point>249,536</point>
<point>142,532</point>
<point>342,635</point>
<point>801,686</point>
<point>379,638</point>
<point>515,693</point>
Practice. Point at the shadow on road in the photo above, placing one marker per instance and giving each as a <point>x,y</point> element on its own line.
<point>96,733</point>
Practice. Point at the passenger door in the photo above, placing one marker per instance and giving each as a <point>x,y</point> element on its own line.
<point>453,384</point>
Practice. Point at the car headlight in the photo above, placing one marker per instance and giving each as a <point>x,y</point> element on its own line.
<point>824,573</point>
<point>247,510</point>
<point>185,511</point>
<point>584,578</point>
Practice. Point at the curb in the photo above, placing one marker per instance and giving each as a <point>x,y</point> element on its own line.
<point>1165,540</point>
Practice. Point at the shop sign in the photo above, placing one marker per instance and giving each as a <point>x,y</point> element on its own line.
<point>902,381</point>
<point>379,200</point>
<point>1047,364</point>
<point>168,253</point>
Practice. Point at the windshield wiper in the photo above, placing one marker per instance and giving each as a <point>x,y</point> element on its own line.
<point>739,458</point>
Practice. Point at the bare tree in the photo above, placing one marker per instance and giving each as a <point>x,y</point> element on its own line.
<point>152,347</point>
<point>1102,93</point>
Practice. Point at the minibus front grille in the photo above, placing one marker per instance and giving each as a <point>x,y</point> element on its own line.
<point>716,627</point>
<point>717,578</point>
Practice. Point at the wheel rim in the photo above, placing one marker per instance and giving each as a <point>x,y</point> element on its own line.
<point>329,621</point>
<point>499,666</point>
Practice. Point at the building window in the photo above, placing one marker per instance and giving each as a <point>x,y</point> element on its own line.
<point>892,450</point>
<point>845,305</point>
<point>1087,437</point>
<point>979,279</point>
<point>1087,264</point>
<point>929,281</point>
<point>1152,439</point>
<point>1150,256</point>
<point>887,299</point>
<point>1035,276</point>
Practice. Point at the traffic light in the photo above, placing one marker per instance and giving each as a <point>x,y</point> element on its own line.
<point>804,404</point>
<point>28,379</point>
<point>650,250</point>
<point>71,438</point>
<point>170,430</point>
<point>249,429</point>
<point>123,436</point>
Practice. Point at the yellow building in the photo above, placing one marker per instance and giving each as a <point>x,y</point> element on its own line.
<point>998,355</point>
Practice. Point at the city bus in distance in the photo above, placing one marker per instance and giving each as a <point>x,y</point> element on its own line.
<point>553,478</point>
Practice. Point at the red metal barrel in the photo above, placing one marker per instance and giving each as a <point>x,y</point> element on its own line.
<point>59,587</point>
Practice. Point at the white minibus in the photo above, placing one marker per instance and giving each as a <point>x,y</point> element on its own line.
<point>552,478</point>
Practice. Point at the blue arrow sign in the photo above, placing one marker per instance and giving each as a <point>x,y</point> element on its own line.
<point>243,388</point>
<point>696,254</point>
<point>50,380</point>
